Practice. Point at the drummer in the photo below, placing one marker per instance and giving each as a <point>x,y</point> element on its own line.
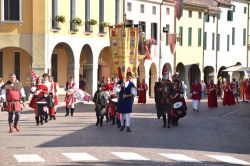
<point>38,92</point>
<point>179,103</point>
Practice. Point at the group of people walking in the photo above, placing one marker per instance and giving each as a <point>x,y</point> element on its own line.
<point>114,98</point>
<point>169,99</point>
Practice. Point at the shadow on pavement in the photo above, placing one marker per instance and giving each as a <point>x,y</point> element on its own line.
<point>194,132</point>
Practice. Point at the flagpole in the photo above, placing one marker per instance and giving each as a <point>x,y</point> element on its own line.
<point>174,60</point>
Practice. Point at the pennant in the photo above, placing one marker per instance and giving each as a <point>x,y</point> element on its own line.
<point>33,75</point>
<point>172,42</point>
<point>178,8</point>
<point>119,73</point>
<point>148,57</point>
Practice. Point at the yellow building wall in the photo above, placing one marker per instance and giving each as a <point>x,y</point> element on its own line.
<point>26,26</point>
<point>9,64</point>
<point>61,66</point>
<point>190,54</point>
<point>64,10</point>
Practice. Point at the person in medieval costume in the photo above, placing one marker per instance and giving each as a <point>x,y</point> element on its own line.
<point>157,96</point>
<point>228,94</point>
<point>126,100</point>
<point>212,95</point>
<point>54,94</point>
<point>179,104</point>
<point>70,100</point>
<point>196,94</point>
<point>142,89</point>
<point>38,102</point>
<point>165,96</point>
<point>13,95</point>
<point>48,97</point>
<point>111,106</point>
<point>101,101</point>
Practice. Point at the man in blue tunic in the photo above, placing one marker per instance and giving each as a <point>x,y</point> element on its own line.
<point>125,100</point>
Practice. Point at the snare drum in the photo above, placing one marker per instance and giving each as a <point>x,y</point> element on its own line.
<point>40,105</point>
<point>179,110</point>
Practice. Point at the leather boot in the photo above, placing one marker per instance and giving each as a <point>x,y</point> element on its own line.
<point>37,120</point>
<point>113,120</point>
<point>16,127</point>
<point>11,129</point>
<point>164,121</point>
<point>97,121</point>
<point>128,129</point>
<point>41,120</point>
<point>67,111</point>
<point>101,120</point>
<point>72,111</point>
<point>122,128</point>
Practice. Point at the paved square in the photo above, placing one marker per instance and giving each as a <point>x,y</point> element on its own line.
<point>229,159</point>
<point>179,157</point>
<point>29,158</point>
<point>129,156</point>
<point>80,156</point>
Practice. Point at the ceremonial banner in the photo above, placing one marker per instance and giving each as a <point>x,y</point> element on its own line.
<point>124,44</point>
<point>172,42</point>
<point>33,75</point>
<point>178,9</point>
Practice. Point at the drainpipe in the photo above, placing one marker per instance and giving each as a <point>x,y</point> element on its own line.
<point>160,53</point>
<point>216,48</point>
<point>248,33</point>
<point>123,12</point>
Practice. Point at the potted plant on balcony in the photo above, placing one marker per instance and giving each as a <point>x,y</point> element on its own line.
<point>75,23</point>
<point>59,19</point>
<point>103,26</point>
<point>89,24</point>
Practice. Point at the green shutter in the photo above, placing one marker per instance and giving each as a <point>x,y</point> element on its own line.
<point>233,36</point>
<point>199,37</point>
<point>213,35</point>
<point>189,36</point>
<point>205,41</point>
<point>181,35</point>
<point>207,18</point>
<point>229,15</point>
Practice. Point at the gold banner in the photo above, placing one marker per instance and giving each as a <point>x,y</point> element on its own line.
<point>124,44</point>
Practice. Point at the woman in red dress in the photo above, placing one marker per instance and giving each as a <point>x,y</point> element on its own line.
<point>228,94</point>
<point>143,87</point>
<point>212,95</point>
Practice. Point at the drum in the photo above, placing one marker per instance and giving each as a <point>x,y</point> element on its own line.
<point>114,101</point>
<point>41,107</point>
<point>179,110</point>
<point>103,111</point>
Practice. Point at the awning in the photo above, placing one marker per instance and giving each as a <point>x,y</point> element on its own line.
<point>232,68</point>
<point>244,69</point>
<point>238,68</point>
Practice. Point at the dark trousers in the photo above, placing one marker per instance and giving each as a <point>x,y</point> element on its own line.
<point>10,118</point>
<point>99,119</point>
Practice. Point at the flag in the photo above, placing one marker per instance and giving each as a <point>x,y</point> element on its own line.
<point>147,56</point>
<point>172,42</point>
<point>33,75</point>
<point>178,8</point>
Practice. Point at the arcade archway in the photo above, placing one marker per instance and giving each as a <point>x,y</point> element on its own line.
<point>62,63</point>
<point>86,67</point>
<point>152,79</point>
<point>181,70</point>
<point>208,74</point>
<point>193,73</point>
<point>105,64</point>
